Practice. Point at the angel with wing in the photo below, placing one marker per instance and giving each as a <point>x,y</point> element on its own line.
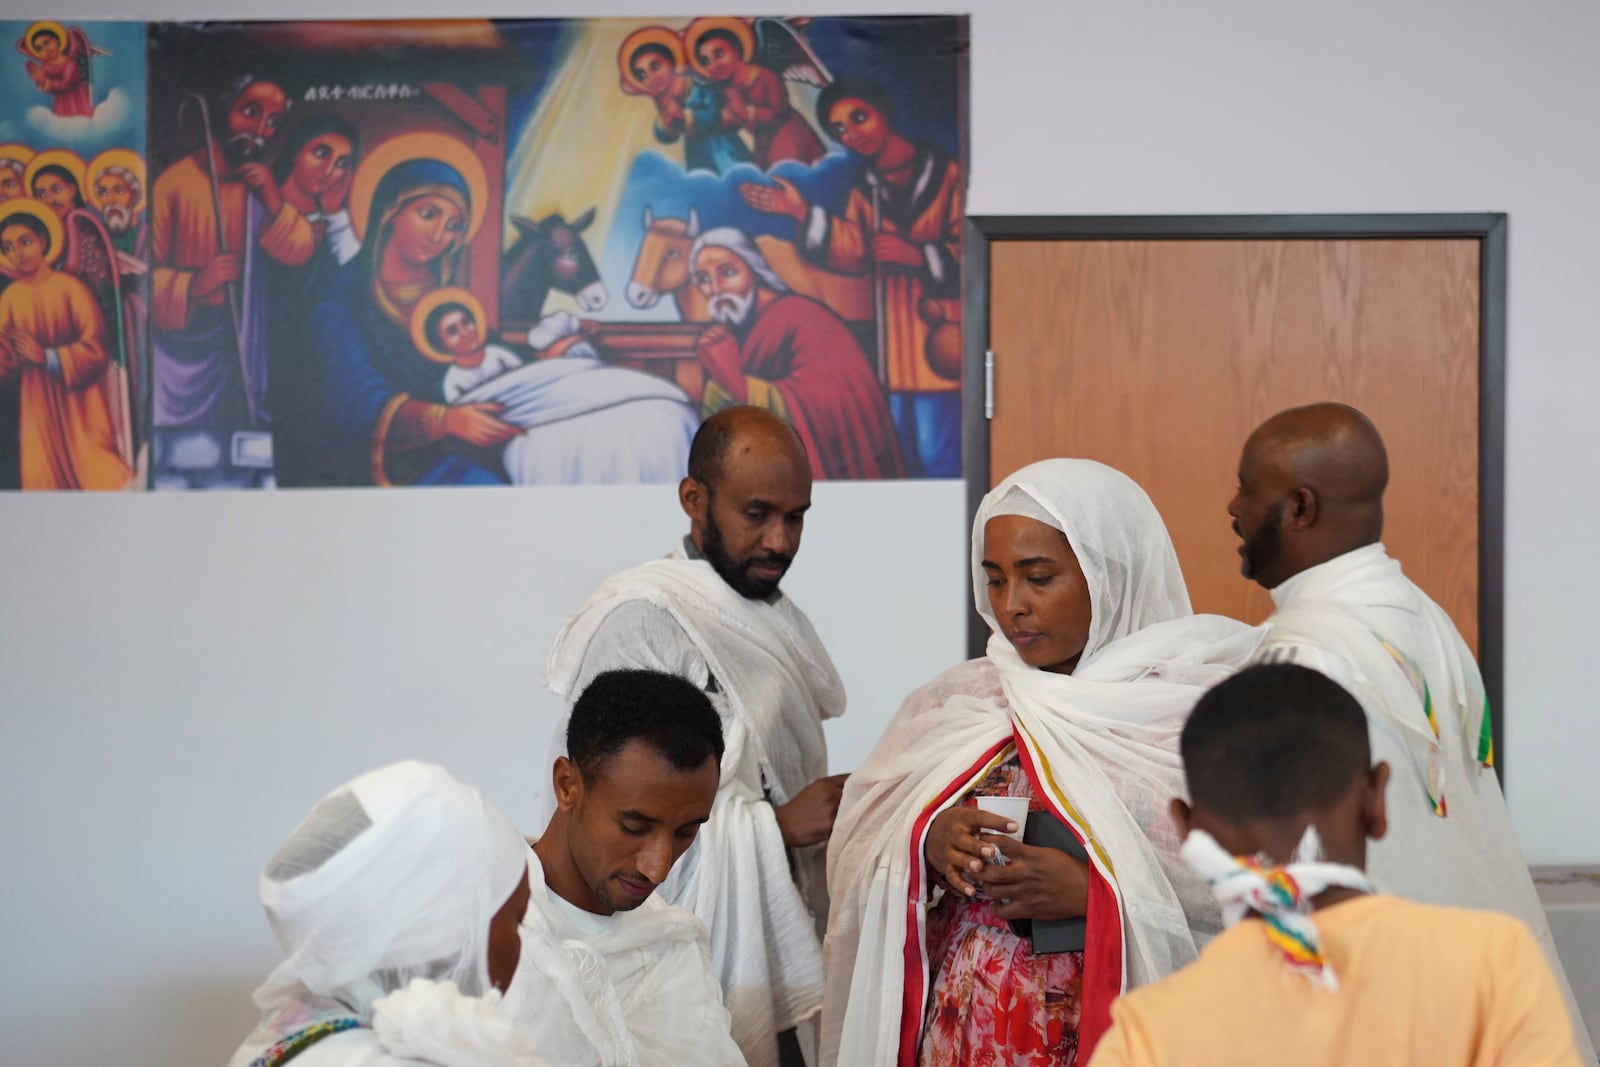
<point>753,61</point>
<point>58,63</point>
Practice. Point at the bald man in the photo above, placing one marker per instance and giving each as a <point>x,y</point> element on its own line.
<point>1309,513</point>
<point>712,612</point>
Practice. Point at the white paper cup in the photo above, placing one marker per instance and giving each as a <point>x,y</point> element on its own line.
<point>1013,808</point>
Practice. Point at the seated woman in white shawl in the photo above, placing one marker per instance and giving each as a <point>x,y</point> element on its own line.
<point>396,902</point>
<point>1094,662</point>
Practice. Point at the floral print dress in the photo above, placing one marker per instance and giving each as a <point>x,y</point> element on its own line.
<point>993,1003</point>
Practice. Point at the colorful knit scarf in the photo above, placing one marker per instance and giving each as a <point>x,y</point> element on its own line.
<point>291,1045</point>
<point>1281,896</point>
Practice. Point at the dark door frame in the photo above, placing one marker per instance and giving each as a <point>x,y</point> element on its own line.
<point>1488,229</point>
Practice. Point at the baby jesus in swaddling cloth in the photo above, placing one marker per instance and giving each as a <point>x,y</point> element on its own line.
<point>583,421</point>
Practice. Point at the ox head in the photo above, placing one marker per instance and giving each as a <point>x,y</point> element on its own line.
<point>662,265</point>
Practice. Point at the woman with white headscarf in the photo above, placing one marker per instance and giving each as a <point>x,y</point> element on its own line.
<point>1094,662</point>
<point>396,902</point>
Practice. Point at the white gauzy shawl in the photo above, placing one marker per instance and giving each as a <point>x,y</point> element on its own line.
<point>1101,745</point>
<point>1358,619</point>
<point>633,989</point>
<point>777,685</point>
<point>381,899</point>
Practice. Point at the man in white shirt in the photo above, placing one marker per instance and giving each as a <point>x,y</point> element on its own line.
<point>712,613</point>
<point>610,974</point>
<point>1309,512</point>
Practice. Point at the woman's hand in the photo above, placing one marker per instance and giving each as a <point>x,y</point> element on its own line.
<point>479,424</point>
<point>1037,883</point>
<point>957,850</point>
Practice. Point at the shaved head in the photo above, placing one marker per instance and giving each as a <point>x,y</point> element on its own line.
<point>1333,448</point>
<point>1311,482</point>
<point>748,489</point>
<point>740,432</point>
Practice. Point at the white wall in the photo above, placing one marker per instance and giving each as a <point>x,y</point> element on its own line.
<point>181,676</point>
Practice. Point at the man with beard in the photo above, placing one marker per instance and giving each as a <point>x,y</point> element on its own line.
<point>774,349</point>
<point>611,973</point>
<point>116,187</point>
<point>207,299</point>
<point>1309,510</point>
<point>712,613</point>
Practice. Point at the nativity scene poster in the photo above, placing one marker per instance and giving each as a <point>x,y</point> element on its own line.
<point>479,252</point>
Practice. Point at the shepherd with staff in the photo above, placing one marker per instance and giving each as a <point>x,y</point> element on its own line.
<point>213,213</point>
<point>903,222</point>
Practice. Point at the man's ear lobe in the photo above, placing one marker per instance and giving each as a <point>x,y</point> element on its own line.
<point>692,499</point>
<point>567,781</point>
<point>1375,805</point>
<point>1303,506</point>
<point>1182,815</point>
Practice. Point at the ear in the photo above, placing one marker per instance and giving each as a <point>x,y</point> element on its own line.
<point>567,782</point>
<point>694,499</point>
<point>1182,816</point>
<point>1374,805</point>
<point>582,222</point>
<point>526,225</point>
<point>1302,509</point>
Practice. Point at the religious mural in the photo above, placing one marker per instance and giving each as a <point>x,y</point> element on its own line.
<point>73,255</point>
<point>482,252</point>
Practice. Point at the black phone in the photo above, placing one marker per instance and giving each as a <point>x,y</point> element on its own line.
<point>1047,936</point>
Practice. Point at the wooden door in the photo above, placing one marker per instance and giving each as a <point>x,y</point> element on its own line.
<point>1159,357</point>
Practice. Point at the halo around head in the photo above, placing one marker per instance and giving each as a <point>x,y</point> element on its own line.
<point>740,28</point>
<point>53,27</point>
<point>12,150</point>
<point>405,148</point>
<point>41,211</point>
<point>658,35</point>
<point>125,158</point>
<point>64,158</point>
<point>426,306</point>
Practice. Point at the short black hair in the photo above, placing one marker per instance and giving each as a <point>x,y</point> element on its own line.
<point>435,321</point>
<point>726,36</point>
<point>1273,742</point>
<point>652,48</point>
<point>29,222</point>
<point>58,171</point>
<point>853,89</point>
<point>52,34</point>
<point>668,713</point>
<point>313,127</point>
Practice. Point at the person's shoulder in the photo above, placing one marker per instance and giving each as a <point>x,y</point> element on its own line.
<point>1199,990</point>
<point>796,304</point>
<point>633,612</point>
<point>1466,944</point>
<point>977,678</point>
<point>1283,643</point>
<point>1463,925</point>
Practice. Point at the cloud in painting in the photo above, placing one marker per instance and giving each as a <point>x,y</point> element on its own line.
<point>113,117</point>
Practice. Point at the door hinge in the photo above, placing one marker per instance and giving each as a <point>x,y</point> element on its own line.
<point>988,383</point>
